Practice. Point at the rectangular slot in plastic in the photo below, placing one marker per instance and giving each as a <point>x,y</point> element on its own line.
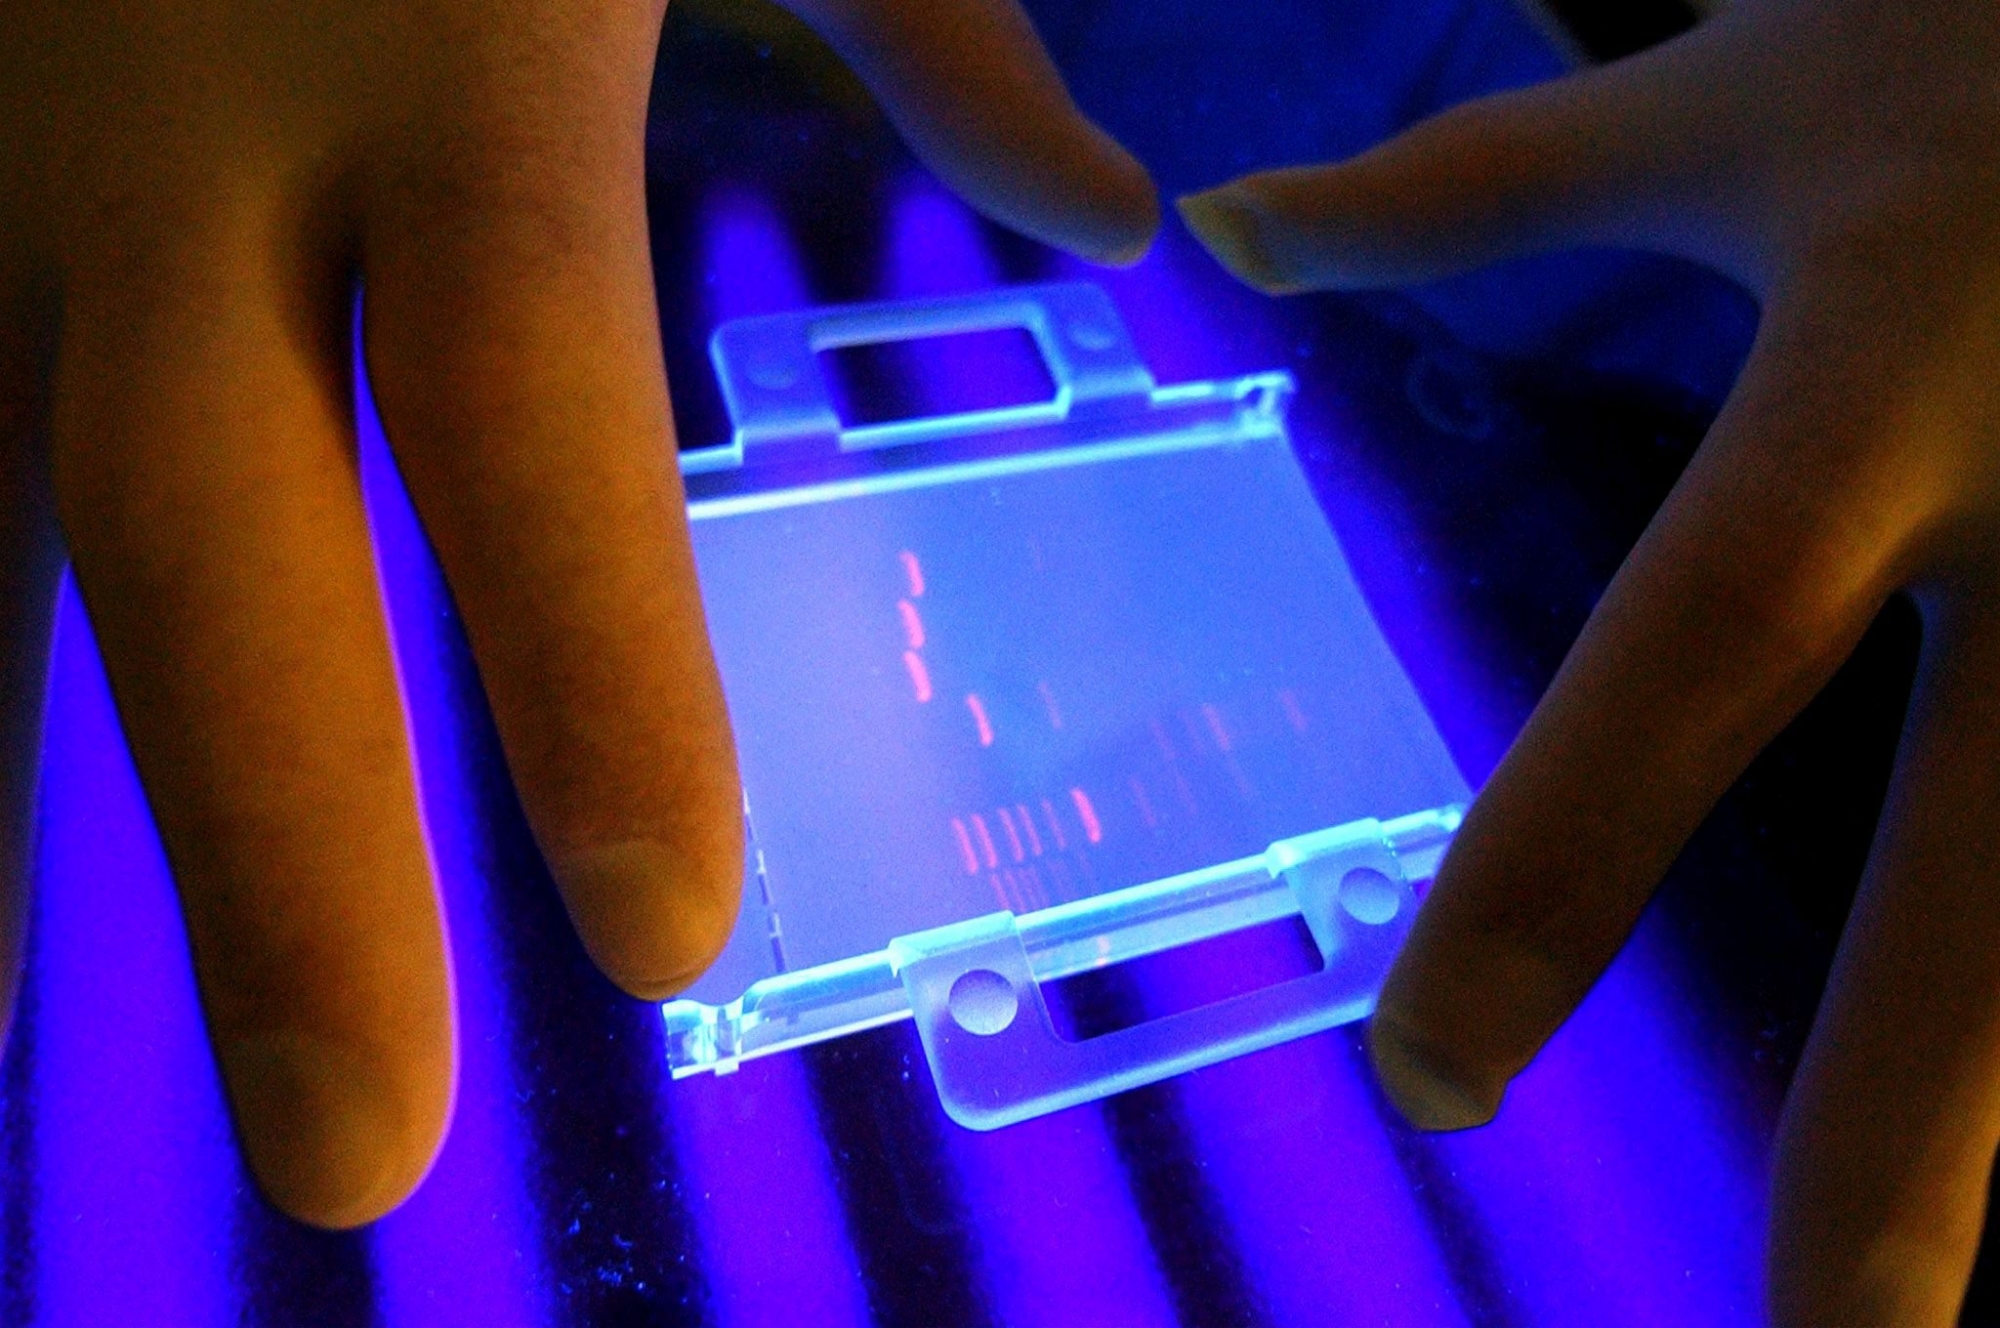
<point>873,382</point>
<point>1120,996</point>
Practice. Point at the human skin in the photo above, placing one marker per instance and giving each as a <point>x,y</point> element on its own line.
<point>1840,158</point>
<point>191,194</point>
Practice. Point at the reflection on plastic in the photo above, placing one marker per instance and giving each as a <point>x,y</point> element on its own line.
<point>1158,662</point>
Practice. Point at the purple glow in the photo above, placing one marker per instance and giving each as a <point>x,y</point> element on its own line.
<point>749,264</point>
<point>1191,324</point>
<point>1057,1230</point>
<point>935,248</point>
<point>1615,1187</point>
<point>1321,1210</point>
<point>773,1234</point>
<point>463,1250</point>
<point>136,1173</point>
<point>772,1228</point>
<point>1466,710</point>
<point>1620,1186</point>
<point>1058,1234</point>
<point>1322,1213</point>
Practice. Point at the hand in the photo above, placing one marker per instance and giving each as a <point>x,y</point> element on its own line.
<point>1842,159</point>
<point>190,192</point>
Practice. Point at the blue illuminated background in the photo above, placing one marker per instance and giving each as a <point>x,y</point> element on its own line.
<point>1621,1186</point>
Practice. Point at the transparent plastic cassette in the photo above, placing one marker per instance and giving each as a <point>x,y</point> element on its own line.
<point>1024,691</point>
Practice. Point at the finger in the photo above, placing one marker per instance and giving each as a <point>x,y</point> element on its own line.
<point>205,475</point>
<point>974,93</point>
<point>1765,564</point>
<point>1887,1143</point>
<point>30,570</point>
<point>513,346</point>
<point>1634,153</point>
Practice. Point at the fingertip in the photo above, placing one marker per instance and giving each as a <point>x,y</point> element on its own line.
<point>1128,216</point>
<point>1237,225</point>
<point>653,916</point>
<point>971,88</point>
<point>335,1138</point>
<point>1088,196</point>
<point>1416,1081</point>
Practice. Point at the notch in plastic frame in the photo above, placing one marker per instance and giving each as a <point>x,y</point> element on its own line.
<point>997,1058</point>
<point>781,406</point>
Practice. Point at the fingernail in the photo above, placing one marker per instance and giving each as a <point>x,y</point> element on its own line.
<point>321,1131</point>
<point>1428,1097</point>
<point>1239,234</point>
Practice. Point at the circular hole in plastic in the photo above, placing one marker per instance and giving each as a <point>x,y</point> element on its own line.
<point>983,1002</point>
<point>1092,335</point>
<point>773,375</point>
<point>1368,896</point>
